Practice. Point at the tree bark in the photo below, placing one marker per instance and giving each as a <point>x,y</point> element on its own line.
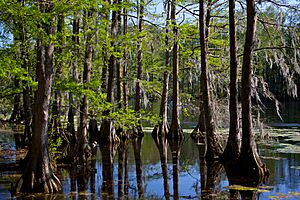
<point>233,146</point>
<point>57,102</point>
<point>73,69</point>
<point>138,91</point>
<point>82,142</point>
<point>214,148</point>
<point>38,175</point>
<point>16,113</point>
<point>105,16</point>
<point>107,130</point>
<point>125,58</point>
<point>175,129</point>
<point>250,163</point>
<point>162,128</point>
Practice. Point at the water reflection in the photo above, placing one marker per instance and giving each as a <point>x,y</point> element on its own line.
<point>162,146</point>
<point>175,146</point>
<point>155,168</point>
<point>137,147</point>
<point>108,152</point>
<point>123,181</point>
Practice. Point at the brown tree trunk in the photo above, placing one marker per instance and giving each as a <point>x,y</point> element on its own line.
<point>125,58</point>
<point>73,69</point>
<point>107,129</point>
<point>118,63</point>
<point>21,37</point>
<point>175,129</point>
<point>233,146</point>
<point>138,91</point>
<point>198,133</point>
<point>57,102</point>
<point>82,142</point>
<point>38,175</point>
<point>250,164</point>
<point>162,128</point>
<point>214,148</point>
<point>105,15</point>
<point>16,113</point>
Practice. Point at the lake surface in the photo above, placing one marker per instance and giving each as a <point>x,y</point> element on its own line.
<point>192,178</point>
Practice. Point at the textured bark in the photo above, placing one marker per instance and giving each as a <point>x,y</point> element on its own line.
<point>162,128</point>
<point>233,146</point>
<point>198,133</point>
<point>20,36</point>
<point>82,134</point>
<point>57,102</point>
<point>175,129</point>
<point>16,113</point>
<point>73,69</point>
<point>125,59</point>
<point>105,15</point>
<point>251,167</point>
<point>214,148</point>
<point>93,131</point>
<point>107,130</point>
<point>38,175</point>
<point>118,63</point>
<point>138,91</point>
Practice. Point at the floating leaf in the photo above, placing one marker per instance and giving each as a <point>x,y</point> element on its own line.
<point>294,193</point>
<point>295,167</point>
<point>245,188</point>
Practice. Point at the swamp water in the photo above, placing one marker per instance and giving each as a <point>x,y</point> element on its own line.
<point>192,179</point>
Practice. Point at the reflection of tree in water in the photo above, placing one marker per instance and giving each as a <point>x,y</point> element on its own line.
<point>123,181</point>
<point>234,178</point>
<point>108,152</point>
<point>80,179</point>
<point>175,146</point>
<point>137,148</point>
<point>210,176</point>
<point>162,145</point>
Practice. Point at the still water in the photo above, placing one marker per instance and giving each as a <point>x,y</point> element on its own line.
<point>183,175</point>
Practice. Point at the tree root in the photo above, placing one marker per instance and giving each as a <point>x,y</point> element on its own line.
<point>48,185</point>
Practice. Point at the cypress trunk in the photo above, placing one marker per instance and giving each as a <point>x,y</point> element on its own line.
<point>38,175</point>
<point>214,148</point>
<point>162,128</point>
<point>175,129</point>
<point>233,146</point>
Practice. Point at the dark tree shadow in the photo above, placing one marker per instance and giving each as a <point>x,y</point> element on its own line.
<point>210,176</point>
<point>162,146</point>
<point>137,149</point>
<point>123,182</point>
<point>108,152</point>
<point>175,146</point>
<point>236,177</point>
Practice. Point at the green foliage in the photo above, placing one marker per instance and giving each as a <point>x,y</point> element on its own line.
<point>55,142</point>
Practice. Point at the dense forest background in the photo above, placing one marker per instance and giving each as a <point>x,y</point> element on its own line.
<point>120,64</point>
